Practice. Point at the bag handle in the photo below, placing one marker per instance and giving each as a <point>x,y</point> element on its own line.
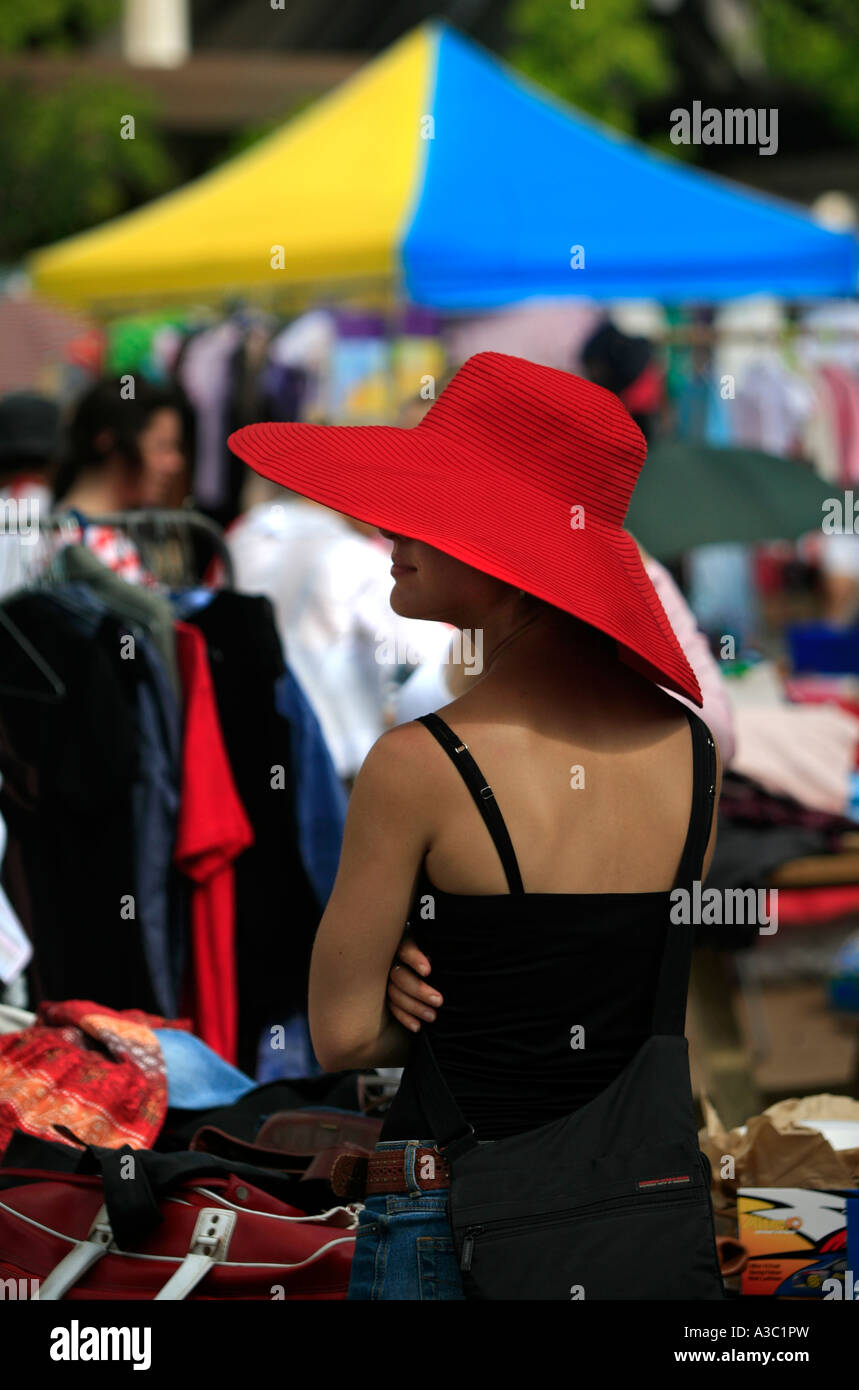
<point>210,1242</point>
<point>453,1134</point>
<point>135,1181</point>
<point>82,1256</point>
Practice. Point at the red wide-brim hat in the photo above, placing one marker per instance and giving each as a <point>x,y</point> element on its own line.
<point>522,471</point>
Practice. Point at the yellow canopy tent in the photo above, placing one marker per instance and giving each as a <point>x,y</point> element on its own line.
<point>320,203</point>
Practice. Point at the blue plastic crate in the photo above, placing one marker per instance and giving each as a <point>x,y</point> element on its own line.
<point>823,648</point>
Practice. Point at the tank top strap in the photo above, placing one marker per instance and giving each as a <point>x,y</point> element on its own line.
<point>669,1010</point>
<point>703,791</point>
<point>482,793</point>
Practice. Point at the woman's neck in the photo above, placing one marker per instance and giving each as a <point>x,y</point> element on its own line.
<point>94,495</point>
<point>532,645</point>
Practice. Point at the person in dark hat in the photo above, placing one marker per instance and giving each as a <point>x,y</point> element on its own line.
<point>29,441</point>
<point>627,366</point>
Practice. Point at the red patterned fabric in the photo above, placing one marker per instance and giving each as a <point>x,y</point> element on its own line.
<point>110,1095</point>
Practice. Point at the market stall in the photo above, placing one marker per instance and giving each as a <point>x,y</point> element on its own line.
<point>320,277</point>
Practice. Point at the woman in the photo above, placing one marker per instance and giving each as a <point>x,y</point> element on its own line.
<point>551,916</point>
<point>123,452</point>
<point>163,440</point>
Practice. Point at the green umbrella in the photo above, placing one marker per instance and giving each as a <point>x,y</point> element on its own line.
<point>690,494</point>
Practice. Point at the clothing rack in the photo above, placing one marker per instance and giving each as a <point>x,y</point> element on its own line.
<point>149,527</point>
<point>707,334</point>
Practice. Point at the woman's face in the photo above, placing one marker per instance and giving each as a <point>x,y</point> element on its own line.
<point>161,448</point>
<point>431,585</point>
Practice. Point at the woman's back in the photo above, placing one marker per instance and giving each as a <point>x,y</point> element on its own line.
<point>547,969</point>
<point>590,764</point>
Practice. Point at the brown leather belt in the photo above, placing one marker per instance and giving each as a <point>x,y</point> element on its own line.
<point>364,1175</point>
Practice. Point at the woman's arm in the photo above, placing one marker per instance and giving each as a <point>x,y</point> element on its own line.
<point>385,838</point>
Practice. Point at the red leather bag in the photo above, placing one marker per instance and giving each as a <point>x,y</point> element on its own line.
<point>219,1237</point>
<point>303,1143</point>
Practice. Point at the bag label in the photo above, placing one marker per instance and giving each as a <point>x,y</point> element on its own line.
<point>676,1180</point>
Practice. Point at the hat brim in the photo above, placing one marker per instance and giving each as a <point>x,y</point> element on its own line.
<point>482,511</point>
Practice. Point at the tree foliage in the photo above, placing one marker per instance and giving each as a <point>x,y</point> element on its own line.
<point>64,165</point>
<point>53,24</point>
<point>814,44</point>
<point>605,58</point>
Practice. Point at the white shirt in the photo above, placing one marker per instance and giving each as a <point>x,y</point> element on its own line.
<point>330,588</point>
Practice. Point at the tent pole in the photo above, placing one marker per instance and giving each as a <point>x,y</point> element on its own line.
<point>391,325</point>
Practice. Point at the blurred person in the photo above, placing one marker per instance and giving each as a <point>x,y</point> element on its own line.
<point>30,438</point>
<point>102,466</point>
<point>626,365</point>
<point>30,441</point>
<point>102,472</point>
<point>547,905</point>
<point>163,444</point>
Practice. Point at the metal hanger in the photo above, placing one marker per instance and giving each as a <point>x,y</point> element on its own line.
<point>57,691</point>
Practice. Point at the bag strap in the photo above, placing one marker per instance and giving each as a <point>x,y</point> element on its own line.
<point>210,1243</point>
<point>484,797</point>
<point>669,1009</point>
<point>136,1181</point>
<point>453,1134</point>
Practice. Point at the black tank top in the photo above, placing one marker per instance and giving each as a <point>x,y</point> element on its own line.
<point>547,996</point>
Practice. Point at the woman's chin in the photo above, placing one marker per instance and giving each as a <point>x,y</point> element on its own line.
<point>407,605</point>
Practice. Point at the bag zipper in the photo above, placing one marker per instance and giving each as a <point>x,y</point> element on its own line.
<point>547,1218</point>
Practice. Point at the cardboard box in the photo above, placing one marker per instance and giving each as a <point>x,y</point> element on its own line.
<point>797,1239</point>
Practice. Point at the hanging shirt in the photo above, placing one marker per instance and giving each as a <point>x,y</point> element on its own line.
<point>212,831</point>
<point>15,949</point>
<point>272,945</point>
<point>109,544</point>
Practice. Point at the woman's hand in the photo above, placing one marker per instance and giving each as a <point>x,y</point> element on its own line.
<point>410,999</point>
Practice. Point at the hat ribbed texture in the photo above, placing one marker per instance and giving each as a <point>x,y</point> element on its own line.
<point>490,476</point>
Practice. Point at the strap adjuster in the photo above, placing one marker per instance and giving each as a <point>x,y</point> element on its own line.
<point>459,1145</point>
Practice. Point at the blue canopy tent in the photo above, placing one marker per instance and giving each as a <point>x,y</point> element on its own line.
<point>514,180</point>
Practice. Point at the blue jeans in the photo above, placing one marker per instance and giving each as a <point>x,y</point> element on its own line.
<point>404,1245</point>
